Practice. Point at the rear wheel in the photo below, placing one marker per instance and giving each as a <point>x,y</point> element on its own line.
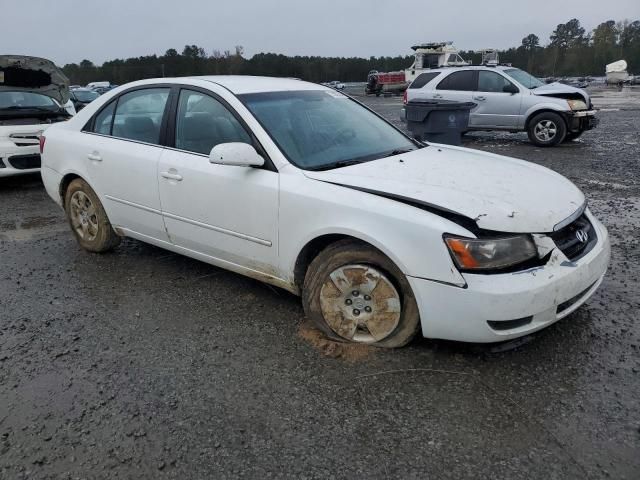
<point>87,218</point>
<point>354,293</point>
<point>547,129</point>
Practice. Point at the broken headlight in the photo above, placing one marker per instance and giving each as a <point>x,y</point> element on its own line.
<point>490,253</point>
<point>577,104</point>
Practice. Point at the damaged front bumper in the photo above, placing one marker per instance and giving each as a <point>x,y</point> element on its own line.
<point>494,308</point>
<point>581,120</point>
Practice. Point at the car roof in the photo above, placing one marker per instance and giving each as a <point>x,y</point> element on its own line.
<point>468,67</point>
<point>241,84</point>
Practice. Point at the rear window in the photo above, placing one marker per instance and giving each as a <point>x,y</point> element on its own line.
<point>423,79</point>
<point>463,80</point>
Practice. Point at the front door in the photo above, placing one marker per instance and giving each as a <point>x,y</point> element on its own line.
<point>495,107</point>
<point>226,212</point>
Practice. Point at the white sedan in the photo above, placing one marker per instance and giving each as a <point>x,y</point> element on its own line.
<point>302,187</point>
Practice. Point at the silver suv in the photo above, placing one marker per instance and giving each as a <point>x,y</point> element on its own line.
<point>510,99</point>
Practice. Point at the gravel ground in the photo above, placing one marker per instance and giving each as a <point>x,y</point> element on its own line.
<point>145,364</point>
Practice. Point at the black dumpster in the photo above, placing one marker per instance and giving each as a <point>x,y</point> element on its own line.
<point>439,121</point>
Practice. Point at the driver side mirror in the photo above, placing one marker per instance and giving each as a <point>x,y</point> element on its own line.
<point>510,88</point>
<point>236,154</point>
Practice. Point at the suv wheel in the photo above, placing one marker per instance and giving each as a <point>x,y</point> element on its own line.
<point>547,129</point>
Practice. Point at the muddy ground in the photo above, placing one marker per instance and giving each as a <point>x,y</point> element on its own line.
<point>145,364</point>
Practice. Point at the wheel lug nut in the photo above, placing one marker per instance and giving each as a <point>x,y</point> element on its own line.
<point>367,298</point>
<point>348,301</point>
<point>367,309</point>
<point>356,312</point>
<point>355,293</point>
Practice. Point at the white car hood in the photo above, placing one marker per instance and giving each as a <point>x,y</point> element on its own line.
<point>557,88</point>
<point>498,193</point>
<point>33,74</point>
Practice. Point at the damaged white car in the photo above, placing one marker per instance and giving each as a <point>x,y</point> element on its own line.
<point>34,94</point>
<point>302,187</point>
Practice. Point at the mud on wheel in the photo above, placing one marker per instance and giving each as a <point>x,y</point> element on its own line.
<point>354,293</point>
<point>87,218</point>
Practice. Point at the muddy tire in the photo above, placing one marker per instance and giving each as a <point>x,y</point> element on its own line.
<point>87,218</point>
<point>573,136</point>
<point>547,129</point>
<point>354,293</point>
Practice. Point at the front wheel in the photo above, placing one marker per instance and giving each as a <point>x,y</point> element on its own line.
<point>354,293</point>
<point>547,129</point>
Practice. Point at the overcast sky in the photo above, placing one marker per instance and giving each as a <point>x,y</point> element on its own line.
<point>71,30</point>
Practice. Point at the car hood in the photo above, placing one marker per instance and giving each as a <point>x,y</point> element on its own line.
<point>498,193</point>
<point>557,89</point>
<point>33,74</point>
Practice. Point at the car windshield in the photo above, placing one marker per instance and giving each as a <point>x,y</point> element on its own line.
<point>320,130</point>
<point>26,100</point>
<point>86,95</point>
<point>525,79</point>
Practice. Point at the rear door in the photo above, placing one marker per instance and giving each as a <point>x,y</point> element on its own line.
<point>496,108</point>
<point>121,151</point>
<point>457,86</point>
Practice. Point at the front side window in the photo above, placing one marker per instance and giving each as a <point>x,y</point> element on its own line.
<point>525,79</point>
<point>320,130</point>
<point>492,82</point>
<point>463,81</point>
<point>139,115</point>
<point>202,122</point>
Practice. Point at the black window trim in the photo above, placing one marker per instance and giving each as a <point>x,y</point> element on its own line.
<point>435,76</point>
<point>497,73</point>
<point>90,125</point>
<point>474,81</point>
<point>171,124</point>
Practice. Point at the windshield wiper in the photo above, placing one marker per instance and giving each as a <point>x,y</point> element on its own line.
<point>338,164</point>
<point>398,151</point>
<point>36,108</point>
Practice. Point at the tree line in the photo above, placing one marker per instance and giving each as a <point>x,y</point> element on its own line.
<point>570,51</point>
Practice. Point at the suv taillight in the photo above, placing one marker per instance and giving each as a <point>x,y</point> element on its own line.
<point>42,140</point>
<point>404,97</point>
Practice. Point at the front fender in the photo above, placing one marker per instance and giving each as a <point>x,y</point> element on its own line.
<point>409,236</point>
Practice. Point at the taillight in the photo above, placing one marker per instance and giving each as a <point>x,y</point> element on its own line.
<point>42,140</point>
<point>404,97</point>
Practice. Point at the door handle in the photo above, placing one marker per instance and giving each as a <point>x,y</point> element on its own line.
<point>94,156</point>
<point>437,95</point>
<point>480,98</point>
<point>171,176</point>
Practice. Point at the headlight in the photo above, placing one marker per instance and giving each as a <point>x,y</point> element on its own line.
<point>577,104</point>
<point>490,253</point>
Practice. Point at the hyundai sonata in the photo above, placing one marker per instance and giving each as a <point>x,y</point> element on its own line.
<point>300,186</point>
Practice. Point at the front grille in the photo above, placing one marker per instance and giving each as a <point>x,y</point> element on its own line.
<point>25,139</point>
<point>569,241</point>
<point>569,303</point>
<point>509,324</point>
<point>25,162</point>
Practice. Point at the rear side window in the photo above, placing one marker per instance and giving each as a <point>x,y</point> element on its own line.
<point>463,80</point>
<point>104,119</point>
<point>202,122</point>
<point>139,115</point>
<point>423,79</point>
